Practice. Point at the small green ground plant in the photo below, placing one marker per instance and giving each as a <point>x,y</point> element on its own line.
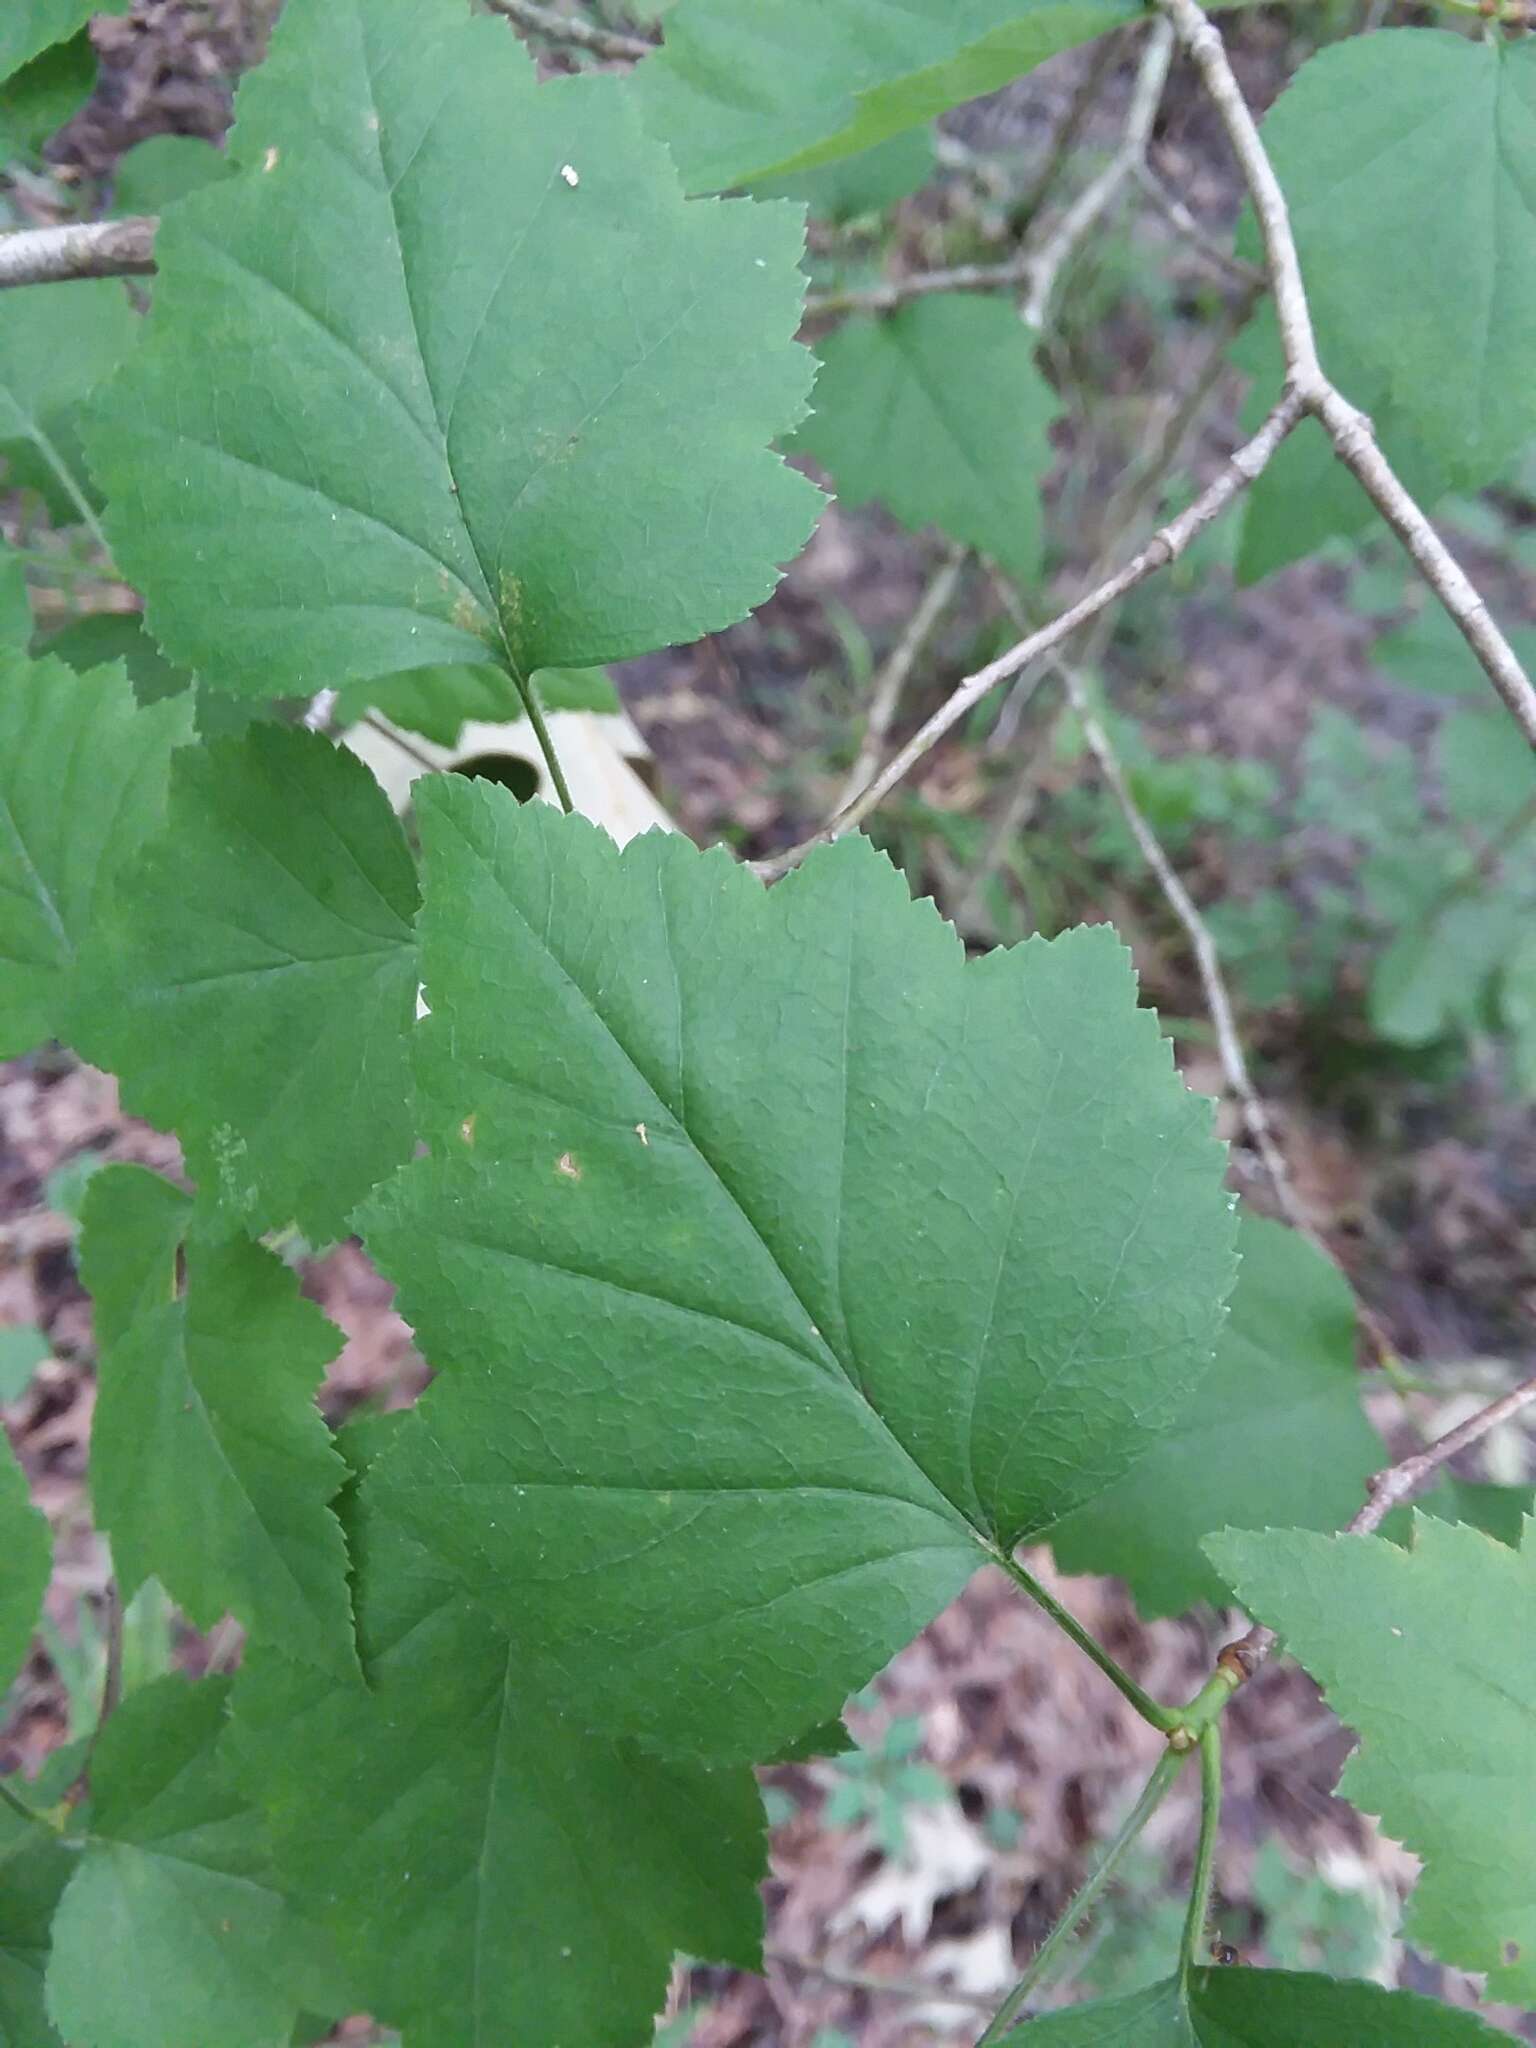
<point>780,1267</point>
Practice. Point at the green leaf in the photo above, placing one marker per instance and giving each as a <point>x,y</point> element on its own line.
<point>82,785</point>
<point>211,1468</point>
<point>1236,2008</point>
<point>98,638</point>
<point>23,1348</point>
<point>1430,1653</point>
<point>15,605</point>
<point>27,1548</point>
<point>57,342</point>
<point>1499,1511</point>
<point>35,1866</point>
<point>30,26</point>
<point>254,980</point>
<point>740,96</point>
<point>1275,1433</point>
<point>1417,234</point>
<point>565,378</point>
<point>939,413</point>
<point>930,1254</point>
<point>172,1933</point>
<point>1429,653</point>
<point>489,1872</point>
<point>1486,767</point>
<point>439,702</point>
<point>1433,979</point>
<point>854,186</point>
<point>155,174</point>
<point>1406,164</point>
<point>37,100</point>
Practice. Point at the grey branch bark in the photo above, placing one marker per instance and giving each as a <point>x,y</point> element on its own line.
<point>1353,439</point>
<point>97,248</point>
<point>1165,546</point>
<point>1385,1491</point>
<point>1213,983</point>
<point>567,28</point>
<point>1095,198</point>
<point>892,679</point>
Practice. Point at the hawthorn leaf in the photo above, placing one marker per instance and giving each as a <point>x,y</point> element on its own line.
<point>31,26</point>
<point>1407,170</point>
<point>37,100</point>
<point>27,1549</point>
<point>1499,1511</point>
<point>35,1866</point>
<point>566,379</point>
<point>172,1932</point>
<point>1486,768</point>
<point>854,186</point>
<point>1430,1653</point>
<point>155,173</point>
<point>211,1467</point>
<point>99,638</point>
<point>927,1255</point>
<point>1275,1432</point>
<point>488,1872</point>
<point>57,342</point>
<point>1237,2008</point>
<point>1429,652</point>
<point>740,95</point>
<point>82,785</point>
<point>253,979</point>
<point>939,413</point>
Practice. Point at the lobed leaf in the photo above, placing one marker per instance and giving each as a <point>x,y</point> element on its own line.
<point>565,378</point>
<point>1275,1433</point>
<point>57,342</point>
<point>1431,1654</point>
<point>37,1865</point>
<point>926,1255</point>
<point>253,979</point>
<point>172,1932</point>
<point>31,26</point>
<point>1406,162</point>
<point>488,1871</point>
<point>1237,2008</point>
<point>83,774</point>
<point>739,96</point>
<point>939,413</point>
<point>211,1468</point>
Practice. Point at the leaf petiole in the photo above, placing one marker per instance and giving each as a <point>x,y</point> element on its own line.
<point>1163,1719</point>
<point>1205,1854</point>
<point>1169,1764</point>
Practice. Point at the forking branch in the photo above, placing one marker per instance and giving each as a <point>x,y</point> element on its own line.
<point>1308,392</point>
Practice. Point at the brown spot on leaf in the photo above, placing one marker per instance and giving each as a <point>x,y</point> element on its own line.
<point>1511,1951</point>
<point>566,1164</point>
<point>640,1133</point>
<point>467,1128</point>
<point>269,161</point>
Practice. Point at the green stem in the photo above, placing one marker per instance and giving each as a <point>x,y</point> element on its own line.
<point>1152,1795</point>
<point>535,711</point>
<point>1163,1719</point>
<point>20,1806</point>
<point>70,486</point>
<point>1205,1854</point>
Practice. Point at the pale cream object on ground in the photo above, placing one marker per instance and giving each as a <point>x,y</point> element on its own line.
<point>596,750</point>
